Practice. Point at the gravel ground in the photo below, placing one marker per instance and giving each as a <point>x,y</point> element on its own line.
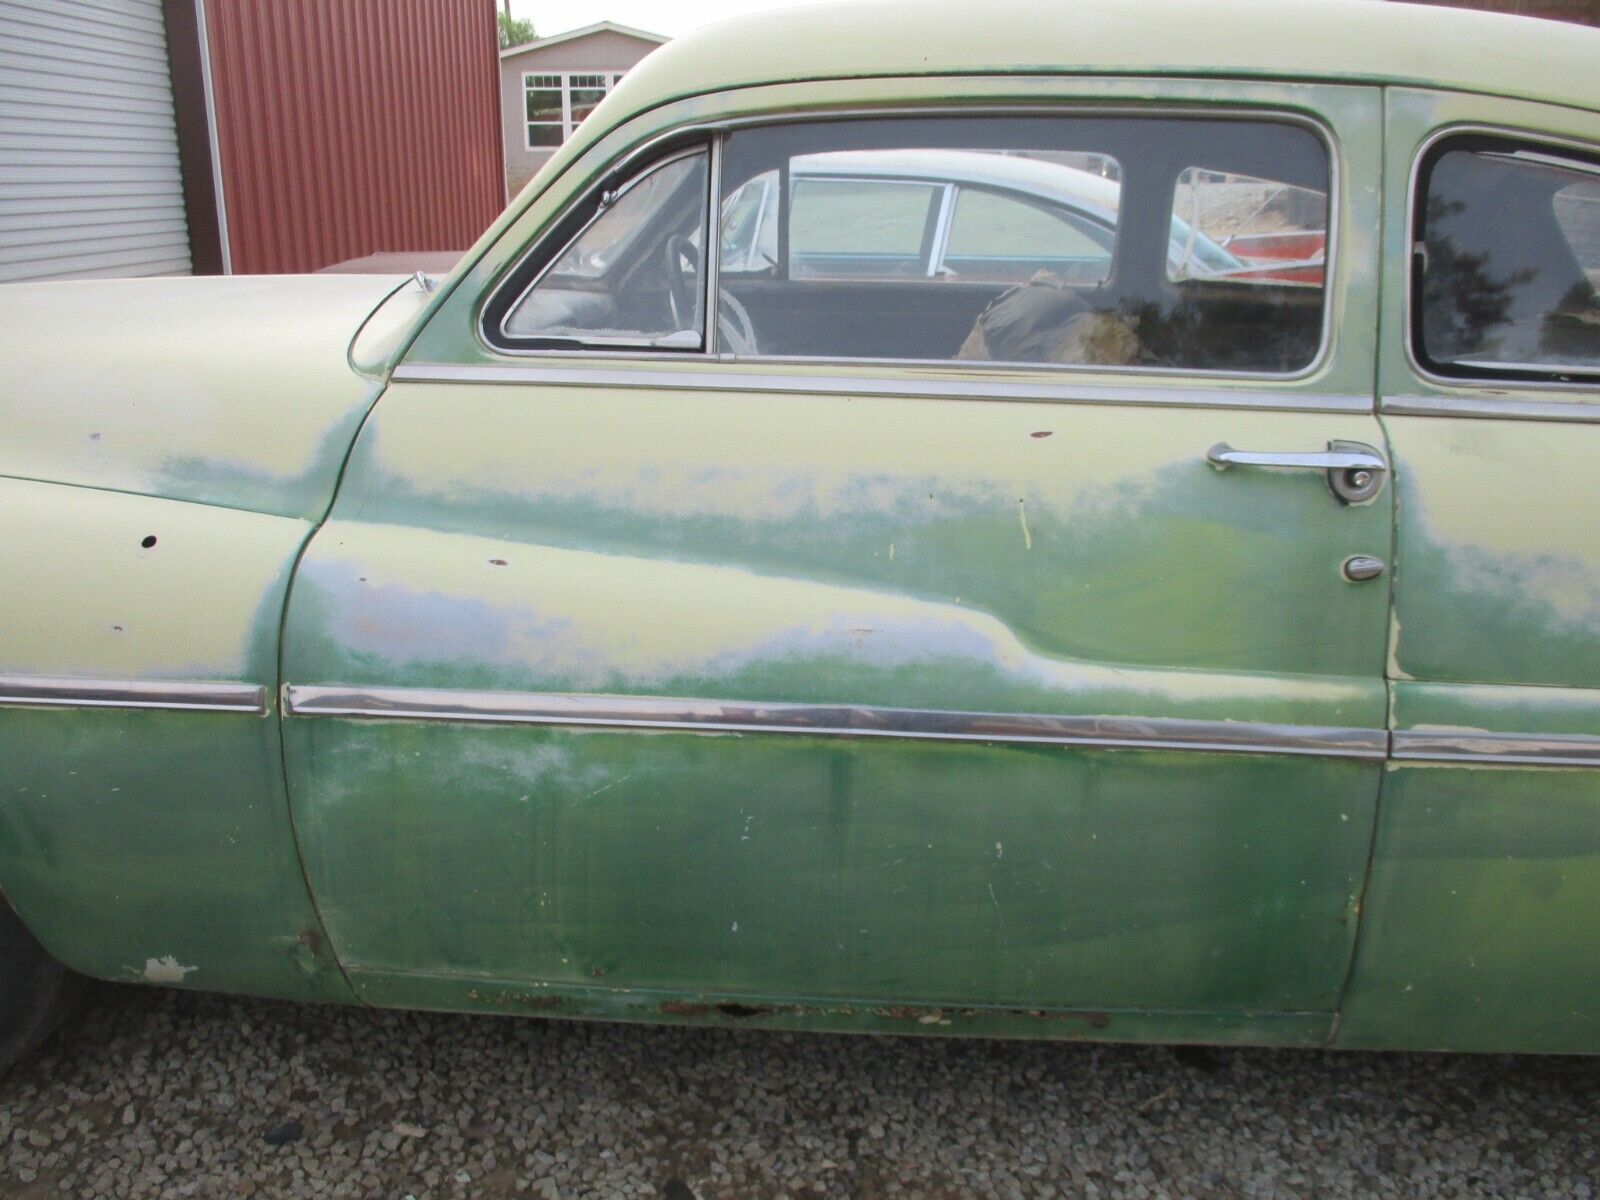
<point>155,1093</point>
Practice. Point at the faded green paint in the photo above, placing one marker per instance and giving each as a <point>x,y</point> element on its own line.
<point>1483,907</point>
<point>529,538</point>
<point>519,998</point>
<point>135,838</point>
<point>234,392</point>
<point>824,549</point>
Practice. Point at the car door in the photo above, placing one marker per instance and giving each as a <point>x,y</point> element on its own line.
<point>1485,909</point>
<point>844,686</point>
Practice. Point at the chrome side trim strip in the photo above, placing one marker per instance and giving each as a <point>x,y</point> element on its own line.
<point>1513,410</point>
<point>982,386</point>
<point>738,716</point>
<point>34,691</point>
<point>1496,749</point>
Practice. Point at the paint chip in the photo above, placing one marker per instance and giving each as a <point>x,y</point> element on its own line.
<point>166,970</point>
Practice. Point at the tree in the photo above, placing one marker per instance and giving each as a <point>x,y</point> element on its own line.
<point>514,30</point>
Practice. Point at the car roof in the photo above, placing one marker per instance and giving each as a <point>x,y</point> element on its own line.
<point>1065,185</point>
<point>1340,41</point>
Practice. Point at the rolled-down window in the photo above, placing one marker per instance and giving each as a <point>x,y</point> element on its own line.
<point>1506,261</point>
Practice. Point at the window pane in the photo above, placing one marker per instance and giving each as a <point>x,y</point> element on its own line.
<point>1005,238</point>
<point>1247,229</point>
<point>633,275</point>
<point>584,101</point>
<point>544,105</point>
<point>545,135</point>
<point>1001,239</point>
<point>859,228</point>
<point>1509,262</point>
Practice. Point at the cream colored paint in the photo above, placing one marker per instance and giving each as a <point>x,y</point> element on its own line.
<point>176,386</point>
<point>596,618</point>
<point>761,456</point>
<point>83,597</point>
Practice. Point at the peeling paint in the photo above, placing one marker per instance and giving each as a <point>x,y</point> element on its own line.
<point>166,969</point>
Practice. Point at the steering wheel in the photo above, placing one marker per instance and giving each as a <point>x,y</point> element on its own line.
<point>680,289</point>
<point>734,331</point>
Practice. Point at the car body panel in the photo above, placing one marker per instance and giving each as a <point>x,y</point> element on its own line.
<point>945,554</point>
<point>853,583</point>
<point>140,843</point>
<point>1480,929</point>
<point>102,388</point>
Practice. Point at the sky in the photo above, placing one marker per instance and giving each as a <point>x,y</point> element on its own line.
<point>670,17</point>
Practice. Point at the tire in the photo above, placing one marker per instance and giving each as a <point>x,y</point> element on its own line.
<point>36,992</point>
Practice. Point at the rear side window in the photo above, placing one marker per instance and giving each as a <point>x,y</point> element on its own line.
<point>1026,240</point>
<point>1506,261</point>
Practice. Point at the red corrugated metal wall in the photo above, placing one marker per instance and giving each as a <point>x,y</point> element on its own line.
<point>349,127</point>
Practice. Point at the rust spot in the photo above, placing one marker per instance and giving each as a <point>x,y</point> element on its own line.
<point>311,939</point>
<point>1041,433</point>
<point>497,562</point>
<point>737,1012</point>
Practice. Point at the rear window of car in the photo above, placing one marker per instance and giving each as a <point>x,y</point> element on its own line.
<point>1506,261</point>
<point>1026,240</point>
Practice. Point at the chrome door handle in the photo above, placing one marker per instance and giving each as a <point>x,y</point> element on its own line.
<point>1355,471</point>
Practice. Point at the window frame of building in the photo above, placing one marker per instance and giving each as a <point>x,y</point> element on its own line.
<point>566,124</point>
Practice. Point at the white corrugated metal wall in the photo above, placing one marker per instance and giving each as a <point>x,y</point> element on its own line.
<point>89,177</point>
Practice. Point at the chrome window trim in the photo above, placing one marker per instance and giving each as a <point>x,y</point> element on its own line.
<point>41,691</point>
<point>714,376</point>
<point>1193,110</point>
<point>1467,395</point>
<point>1474,746</point>
<point>1497,407</point>
<point>841,720</point>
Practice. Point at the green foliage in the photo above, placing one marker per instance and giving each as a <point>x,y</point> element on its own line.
<point>514,30</point>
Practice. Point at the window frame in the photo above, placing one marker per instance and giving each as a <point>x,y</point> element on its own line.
<point>566,124</point>
<point>1495,379</point>
<point>639,158</point>
<point>530,268</point>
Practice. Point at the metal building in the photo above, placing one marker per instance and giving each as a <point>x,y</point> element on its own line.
<point>144,137</point>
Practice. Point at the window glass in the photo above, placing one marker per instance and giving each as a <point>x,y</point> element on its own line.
<point>1003,237</point>
<point>1010,240</point>
<point>587,91</point>
<point>1247,229</point>
<point>860,228</point>
<point>1507,261</point>
<point>633,274</point>
<point>543,101</point>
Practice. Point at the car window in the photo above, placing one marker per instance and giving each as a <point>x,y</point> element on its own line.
<point>1506,261</point>
<point>1247,229</point>
<point>861,228</point>
<point>1006,236</point>
<point>1011,240</point>
<point>632,275</point>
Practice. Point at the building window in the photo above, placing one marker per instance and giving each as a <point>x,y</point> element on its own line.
<point>557,103</point>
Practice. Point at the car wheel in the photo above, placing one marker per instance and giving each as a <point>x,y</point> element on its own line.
<point>36,991</point>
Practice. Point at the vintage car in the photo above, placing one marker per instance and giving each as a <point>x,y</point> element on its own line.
<point>640,624</point>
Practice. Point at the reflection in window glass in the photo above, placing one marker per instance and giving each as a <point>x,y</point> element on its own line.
<point>1008,239</point>
<point>633,275</point>
<point>1247,229</point>
<point>859,228</point>
<point>1508,261</point>
<point>1000,237</point>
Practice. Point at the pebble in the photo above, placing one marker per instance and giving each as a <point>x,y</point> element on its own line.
<point>153,1092</point>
